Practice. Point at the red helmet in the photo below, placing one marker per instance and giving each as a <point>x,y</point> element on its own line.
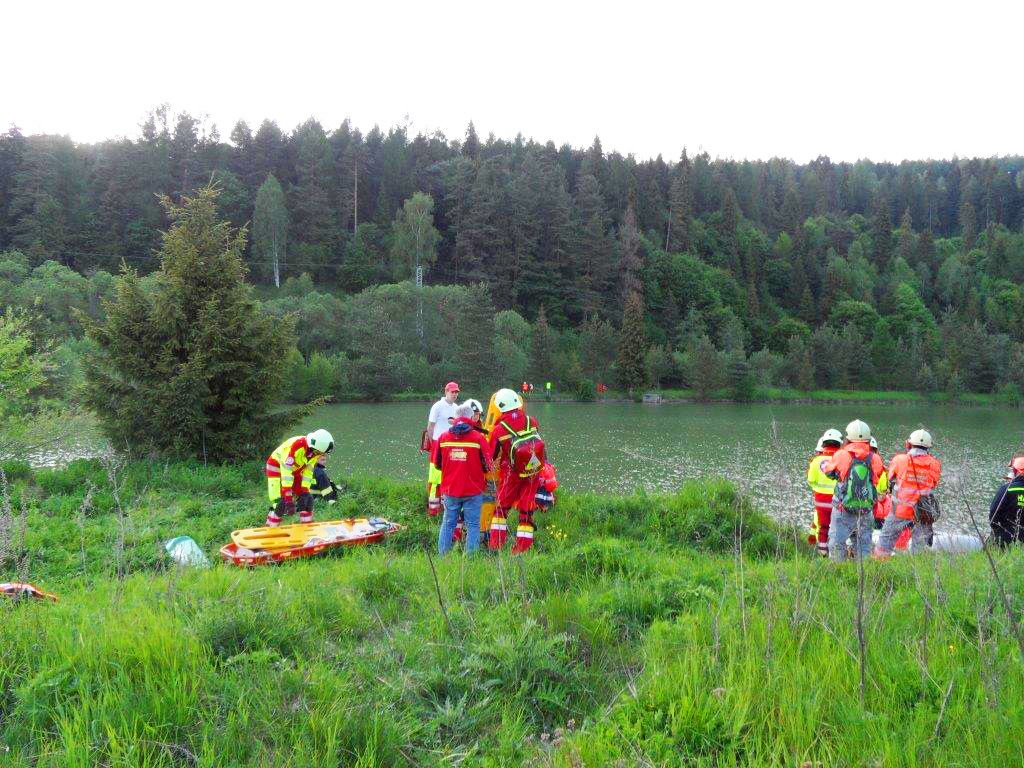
<point>1016,467</point>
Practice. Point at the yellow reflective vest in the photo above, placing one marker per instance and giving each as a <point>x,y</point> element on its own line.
<point>818,480</point>
<point>291,457</point>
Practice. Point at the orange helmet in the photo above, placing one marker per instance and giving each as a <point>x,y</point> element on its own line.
<point>1016,467</point>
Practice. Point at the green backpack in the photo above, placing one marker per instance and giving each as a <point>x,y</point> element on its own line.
<point>857,493</point>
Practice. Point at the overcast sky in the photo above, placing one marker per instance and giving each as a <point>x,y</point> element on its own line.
<point>887,81</point>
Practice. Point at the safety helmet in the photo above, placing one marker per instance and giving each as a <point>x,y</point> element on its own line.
<point>475,405</point>
<point>832,436</point>
<point>507,400</point>
<point>320,440</point>
<point>1016,467</point>
<point>858,432</point>
<point>921,438</point>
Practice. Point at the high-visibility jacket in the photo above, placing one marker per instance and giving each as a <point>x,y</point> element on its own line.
<point>913,474</point>
<point>816,477</point>
<point>293,461</point>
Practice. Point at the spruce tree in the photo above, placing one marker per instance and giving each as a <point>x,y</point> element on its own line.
<point>632,345</point>
<point>194,368</point>
<point>471,146</point>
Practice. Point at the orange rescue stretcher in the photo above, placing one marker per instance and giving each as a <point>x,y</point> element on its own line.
<point>262,546</point>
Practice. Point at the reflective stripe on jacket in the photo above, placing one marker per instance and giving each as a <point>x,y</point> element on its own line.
<point>913,475</point>
<point>290,458</point>
<point>816,477</point>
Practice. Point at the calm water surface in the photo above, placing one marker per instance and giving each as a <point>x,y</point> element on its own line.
<point>763,449</point>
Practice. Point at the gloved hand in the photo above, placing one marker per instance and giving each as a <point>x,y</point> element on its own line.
<point>288,507</point>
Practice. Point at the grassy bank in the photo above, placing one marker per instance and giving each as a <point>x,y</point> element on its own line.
<point>636,634</point>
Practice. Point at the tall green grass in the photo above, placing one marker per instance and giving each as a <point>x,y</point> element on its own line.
<point>681,630</point>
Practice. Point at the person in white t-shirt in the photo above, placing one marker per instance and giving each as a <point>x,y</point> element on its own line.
<point>442,414</point>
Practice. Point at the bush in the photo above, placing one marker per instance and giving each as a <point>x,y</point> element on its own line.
<point>586,392</point>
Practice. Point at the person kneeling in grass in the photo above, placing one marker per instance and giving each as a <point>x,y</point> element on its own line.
<point>461,457</point>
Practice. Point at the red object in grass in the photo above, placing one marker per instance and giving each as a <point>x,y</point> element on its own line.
<point>19,590</point>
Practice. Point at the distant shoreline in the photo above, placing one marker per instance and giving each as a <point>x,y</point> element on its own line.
<point>773,396</point>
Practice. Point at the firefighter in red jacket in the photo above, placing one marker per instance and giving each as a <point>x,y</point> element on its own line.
<point>462,459</point>
<point>289,473</point>
<point>516,444</point>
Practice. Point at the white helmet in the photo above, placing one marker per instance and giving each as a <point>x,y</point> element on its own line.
<point>320,440</point>
<point>858,432</point>
<point>474,404</point>
<point>832,436</point>
<point>507,400</point>
<point>921,438</point>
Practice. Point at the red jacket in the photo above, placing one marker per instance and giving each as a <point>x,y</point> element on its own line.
<point>462,456</point>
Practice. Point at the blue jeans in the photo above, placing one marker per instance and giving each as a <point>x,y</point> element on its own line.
<point>469,506</point>
<point>845,523</point>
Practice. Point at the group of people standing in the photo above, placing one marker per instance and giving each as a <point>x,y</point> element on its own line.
<point>501,464</point>
<point>854,493</point>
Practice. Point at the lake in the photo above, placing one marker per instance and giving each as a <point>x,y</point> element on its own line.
<point>763,449</point>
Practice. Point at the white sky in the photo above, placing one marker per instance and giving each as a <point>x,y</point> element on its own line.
<point>884,80</point>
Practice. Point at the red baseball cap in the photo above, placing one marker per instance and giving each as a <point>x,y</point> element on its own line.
<point>451,386</point>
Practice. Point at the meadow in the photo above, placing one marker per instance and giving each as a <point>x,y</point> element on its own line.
<point>681,629</point>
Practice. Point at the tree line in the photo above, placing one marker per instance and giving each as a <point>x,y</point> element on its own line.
<point>696,272</point>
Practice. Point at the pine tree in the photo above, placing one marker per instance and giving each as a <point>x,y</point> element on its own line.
<point>315,236</point>
<point>194,368</point>
<point>632,345</point>
<point>542,349</point>
<point>471,145</point>
<point>906,246</point>
<point>681,208</point>
<point>630,262</point>
<point>968,226</point>
<point>270,228</point>
<point>730,222</point>
<point>881,232</point>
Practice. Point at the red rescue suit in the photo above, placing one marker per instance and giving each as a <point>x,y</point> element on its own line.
<point>520,453</point>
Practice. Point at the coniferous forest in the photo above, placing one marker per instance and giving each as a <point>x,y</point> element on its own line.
<point>575,265</point>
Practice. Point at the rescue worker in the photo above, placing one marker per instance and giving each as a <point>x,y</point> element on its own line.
<point>884,504</point>
<point>477,422</point>
<point>860,478</point>
<point>323,487</point>
<point>289,473</point>
<point>1006,513</point>
<point>914,476</point>
<point>462,458</point>
<point>440,418</point>
<point>516,444</point>
<point>823,487</point>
